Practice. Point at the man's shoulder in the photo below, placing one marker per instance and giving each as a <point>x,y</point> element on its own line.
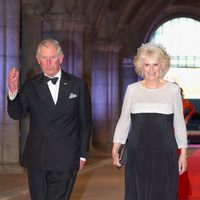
<point>72,77</point>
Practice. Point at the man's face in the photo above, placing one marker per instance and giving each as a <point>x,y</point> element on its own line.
<point>49,60</point>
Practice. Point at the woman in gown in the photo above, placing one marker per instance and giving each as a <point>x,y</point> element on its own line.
<point>152,121</point>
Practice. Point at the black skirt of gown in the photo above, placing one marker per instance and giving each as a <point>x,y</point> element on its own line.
<point>151,171</point>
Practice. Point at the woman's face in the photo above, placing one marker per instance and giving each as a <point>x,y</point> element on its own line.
<point>151,69</point>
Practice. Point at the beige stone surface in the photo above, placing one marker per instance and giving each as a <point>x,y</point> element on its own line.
<point>99,180</point>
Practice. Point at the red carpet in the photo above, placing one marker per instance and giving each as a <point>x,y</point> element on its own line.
<point>189,182</point>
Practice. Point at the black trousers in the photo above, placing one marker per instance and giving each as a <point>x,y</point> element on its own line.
<point>50,185</point>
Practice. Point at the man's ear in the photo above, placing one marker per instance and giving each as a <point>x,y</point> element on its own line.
<point>61,57</point>
<point>38,60</point>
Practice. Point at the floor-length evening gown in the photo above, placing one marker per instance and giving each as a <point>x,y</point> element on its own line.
<point>155,127</point>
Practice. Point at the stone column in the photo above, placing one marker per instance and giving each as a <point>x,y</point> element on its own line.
<point>9,56</point>
<point>31,35</point>
<point>128,74</point>
<point>70,35</point>
<point>105,91</point>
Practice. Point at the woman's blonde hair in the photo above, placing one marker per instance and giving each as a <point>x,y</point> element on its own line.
<point>154,51</point>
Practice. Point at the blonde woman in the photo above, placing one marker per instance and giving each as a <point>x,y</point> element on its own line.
<point>152,121</point>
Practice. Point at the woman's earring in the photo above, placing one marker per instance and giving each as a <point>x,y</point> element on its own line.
<point>160,74</point>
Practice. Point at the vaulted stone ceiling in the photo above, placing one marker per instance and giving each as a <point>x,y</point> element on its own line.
<point>125,21</point>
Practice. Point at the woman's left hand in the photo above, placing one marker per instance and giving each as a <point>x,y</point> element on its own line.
<point>182,163</point>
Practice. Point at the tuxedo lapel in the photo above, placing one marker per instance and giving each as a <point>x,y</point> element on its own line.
<point>44,94</point>
<point>64,90</point>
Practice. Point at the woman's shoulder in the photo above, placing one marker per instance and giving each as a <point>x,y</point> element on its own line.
<point>133,86</point>
<point>174,87</point>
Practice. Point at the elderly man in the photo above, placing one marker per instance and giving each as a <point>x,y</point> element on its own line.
<point>60,123</point>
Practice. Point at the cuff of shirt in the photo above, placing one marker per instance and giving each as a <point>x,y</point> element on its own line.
<point>83,159</point>
<point>12,96</point>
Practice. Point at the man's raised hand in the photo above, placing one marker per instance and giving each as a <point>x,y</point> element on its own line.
<point>13,80</point>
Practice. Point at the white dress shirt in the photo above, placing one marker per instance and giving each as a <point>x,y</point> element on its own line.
<point>54,88</point>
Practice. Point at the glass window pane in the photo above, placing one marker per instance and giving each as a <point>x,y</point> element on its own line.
<point>181,38</point>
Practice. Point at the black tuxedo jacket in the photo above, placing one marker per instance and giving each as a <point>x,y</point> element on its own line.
<point>59,134</point>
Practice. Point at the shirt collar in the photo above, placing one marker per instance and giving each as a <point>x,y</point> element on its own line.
<point>57,75</point>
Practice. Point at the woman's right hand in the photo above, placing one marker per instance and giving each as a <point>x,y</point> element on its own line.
<point>115,155</point>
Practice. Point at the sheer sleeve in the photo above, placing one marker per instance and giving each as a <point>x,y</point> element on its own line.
<point>179,122</point>
<point>123,125</point>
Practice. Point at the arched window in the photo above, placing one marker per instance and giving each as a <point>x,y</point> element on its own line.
<point>181,38</point>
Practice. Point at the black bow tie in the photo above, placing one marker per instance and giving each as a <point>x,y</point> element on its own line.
<point>53,80</point>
